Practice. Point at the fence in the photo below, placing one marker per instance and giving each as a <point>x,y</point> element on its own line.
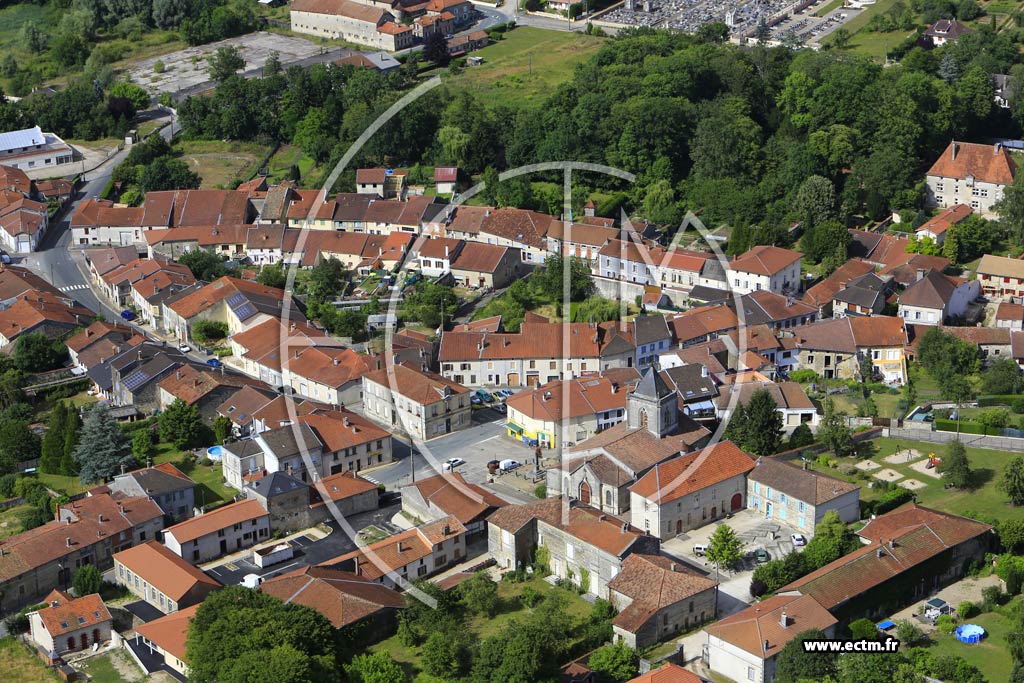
<point>818,449</point>
<point>999,443</point>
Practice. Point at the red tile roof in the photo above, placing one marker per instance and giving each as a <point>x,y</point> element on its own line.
<point>669,673</point>
<point>394,552</point>
<point>765,260</point>
<point>654,582</point>
<point>165,571</point>
<point>169,632</point>
<point>221,518</point>
<point>414,384</point>
<point>758,629</point>
<point>343,597</point>
<point>454,496</point>
<point>66,614</point>
<point>946,219</point>
<point>692,472</point>
<point>986,163</point>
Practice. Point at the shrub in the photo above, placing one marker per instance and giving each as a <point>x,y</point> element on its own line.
<point>908,632</point>
<point>531,597</point>
<point>758,588</point>
<point>159,67</point>
<point>1018,405</point>
<point>991,597</point>
<point>541,491</point>
<point>803,376</point>
<point>966,609</point>
<point>945,624</point>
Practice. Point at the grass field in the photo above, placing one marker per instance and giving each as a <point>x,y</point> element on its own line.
<point>112,667</point>
<point>834,5</point>
<point>511,608</point>
<point>11,520</point>
<point>526,66</point>
<point>985,500</point>
<point>21,666</point>
<point>869,43</point>
<point>990,655</point>
<point>219,163</point>
<point>211,490</point>
<point>283,159</point>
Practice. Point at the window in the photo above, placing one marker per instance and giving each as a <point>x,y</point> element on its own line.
<point>570,551</point>
<point>750,673</point>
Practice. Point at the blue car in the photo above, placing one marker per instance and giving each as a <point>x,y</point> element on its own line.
<point>128,315</point>
<point>214,362</point>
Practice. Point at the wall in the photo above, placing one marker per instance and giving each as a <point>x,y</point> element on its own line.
<point>614,289</point>
<point>1001,443</point>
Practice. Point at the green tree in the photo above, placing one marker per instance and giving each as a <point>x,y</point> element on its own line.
<point>377,667</point>
<point>1003,376</point>
<point>87,580</point>
<point>209,332</point>
<point>445,655</point>
<point>1011,209</point>
<point>430,303</point>
<point>834,432</point>
<point>35,352</point>
<point>167,173</point>
<point>863,629</point>
<point>225,63</point>
<point>801,436</point>
<point>1011,534</point>
<point>435,48</point>
<point>480,595</point>
<point>832,539</point>
<point>204,265</point>
<point>954,466</point>
<point>725,548</point>
<point>287,642</point>
<point>33,38</point>
<point>948,360</point>
<point>52,451</point>
<point>16,441</point>
<point>222,429</point>
<point>614,663</point>
<point>181,425</point>
<point>138,95</point>
<point>273,276</point>
<point>103,449</point>
<point>815,201</point>
<point>72,430</point>
<point>756,426</point>
<point>794,665</point>
<point>1012,483</point>
<point>142,446</point>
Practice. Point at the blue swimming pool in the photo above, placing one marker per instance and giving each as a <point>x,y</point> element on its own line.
<point>214,452</point>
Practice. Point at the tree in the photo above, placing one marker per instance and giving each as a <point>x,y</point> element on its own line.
<point>68,464</point>
<point>725,548</point>
<point>222,429</point>
<point>138,95</point>
<point>167,173</point>
<point>614,663</point>
<point>908,632</point>
<point>949,361</point>
<point>863,629</point>
<point>16,441</point>
<point>103,449</point>
<point>862,667</point>
<point>954,466</point>
<point>1011,534</point>
<point>35,352</point>
<point>435,48</point>
<point>181,425</point>
<point>793,664</point>
<point>87,580</point>
<point>1003,376</point>
<point>1011,209</point>
<point>209,332</point>
<point>834,432</point>
<point>225,63</point>
<point>273,276</point>
<point>841,38</point>
<point>52,450</point>
<point>142,446</point>
<point>756,426</point>
<point>286,642</point>
<point>480,595</point>
<point>377,667</point>
<point>445,655</point>
<point>801,436</point>
<point>1012,483</point>
<point>430,303</point>
<point>832,539</point>
<point>204,265</point>
<point>33,38</point>
<point>815,201</point>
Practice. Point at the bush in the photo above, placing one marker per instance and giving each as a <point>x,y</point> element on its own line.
<point>1018,405</point>
<point>991,597</point>
<point>541,491</point>
<point>531,597</point>
<point>908,632</point>
<point>758,588</point>
<point>803,376</point>
<point>945,624</point>
<point>159,67</point>
<point>7,484</point>
<point>966,609</point>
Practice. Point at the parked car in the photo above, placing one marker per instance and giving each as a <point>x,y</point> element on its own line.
<point>128,315</point>
<point>509,465</point>
<point>483,396</point>
<point>700,550</point>
<point>184,348</point>
<point>501,407</point>
<point>451,463</point>
<point>214,362</point>
<point>504,393</point>
<point>799,540</point>
<point>475,400</point>
<point>761,556</point>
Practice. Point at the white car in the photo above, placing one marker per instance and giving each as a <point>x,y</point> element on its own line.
<point>184,348</point>
<point>799,540</point>
<point>451,463</point>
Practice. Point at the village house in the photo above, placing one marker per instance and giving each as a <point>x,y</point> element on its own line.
<point>149,294</point>
<point>652,336</point>
<point>40,311</point>
<point>1010,316</point>
<point>161,578</point>
<point>350,21</point>
<point>834,348</point>
<point>667,673</point>
<point>287,500</point>
<point>594,403</point>
<point>584,547</point>
<point>936,298</point>
<point>38,154</point>
<point>449,494</point>
<point>224,530</point>
<point>578,239</point>
<point>258,350</point>
<point>116,284</point>
<point>799,497</point>
<point>599,471</point>
<point>778,312</point>
<point>165,637</point>
<point>407,556</point>
<point>696,388</point>
<point>69,624</point>
<point>863,295</point>
<point>446,178</point>
<point>658,598</point>
<point>228,240</point>
<point>420,403</point>
<point>936,228</point>
<point>1001,277</point>
<point>85,531</point>
<point>907,555</point>
<point>945,31</point>
<point>765,268</point>
<point>533,356</point>
<point>744,646</point>
<point>972,174</point>
<point>691,490</point>
<point>237,303</point>
<point>23,220</point>
<point>519,228</point>
<point>327,374</point>
<point>821,294</point>
<point>96,333</point>
<point>132,377</point>
<point>164,484</point>
<point>702,324</point>
<point>790,399</point>
<point>344,598</point>
<point>347,493</point>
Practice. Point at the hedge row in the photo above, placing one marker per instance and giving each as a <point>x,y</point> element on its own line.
<point>997,400</point>
<point>967,427</point>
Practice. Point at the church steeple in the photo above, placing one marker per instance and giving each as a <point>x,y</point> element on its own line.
<point>653,405</point>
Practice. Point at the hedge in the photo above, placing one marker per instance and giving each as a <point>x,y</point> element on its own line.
<point>967,427</point>
<point>997,400</point>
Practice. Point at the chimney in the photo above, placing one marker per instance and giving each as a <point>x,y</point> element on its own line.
<point>625,527</point>
<point>784,620</point>
<point>766,646</point>
<point>120,508</point>
<point>346,422</point>
<point>956,148</point>
<point>703,371</point>
<point>920,274</point>
<point>672,566</point>
<point>67,541</point>
<point>996,148</point>
<point>892,544</point>
<point>101,520</point>
<point>400,547</point>
<point>447,530</point>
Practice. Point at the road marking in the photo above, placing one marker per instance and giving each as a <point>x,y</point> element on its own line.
<point>73,288</point>
<point>370,479</point>
<point>496,436</point>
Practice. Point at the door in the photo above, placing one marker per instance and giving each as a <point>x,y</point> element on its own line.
<point>224,547</point>
<point>513,379</point>
<point>737,501</point>
<point>714,512</point>
<point>768,509</point>
<point>585,493</point>
<point>447,425</point>
<point>679,526</point>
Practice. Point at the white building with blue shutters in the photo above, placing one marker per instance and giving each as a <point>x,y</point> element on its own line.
<point>799,497</point>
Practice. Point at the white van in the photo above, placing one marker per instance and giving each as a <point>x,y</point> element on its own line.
<point>508,465</point>
<point>700,550</point>
<point>251,581</point>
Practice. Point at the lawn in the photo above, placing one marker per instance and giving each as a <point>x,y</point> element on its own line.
<point>409,658</point>
<point>222,164</point>
<point>526,66</point>
<point>283,159</point>
<point>871,44</point>
<point>210,487</point>
<point>834,5</point>
<point>21,666</point>
<point>62,484</point>
<point>986,500</point>
<point>11,520</point>
<point>990,655</point>
<point>112,667</point>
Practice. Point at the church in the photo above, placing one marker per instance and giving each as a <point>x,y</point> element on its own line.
<point>599,471</point>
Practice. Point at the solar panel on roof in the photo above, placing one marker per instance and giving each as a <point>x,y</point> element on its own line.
<point>236,300</point>
<point>135,380</point>
<point>245,311</point>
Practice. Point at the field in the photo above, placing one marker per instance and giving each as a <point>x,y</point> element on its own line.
<point>986,500</point>
<point>220,164</point>
<point>283,159</point>
<point>990,655</point>
<point>869,43</point>
<point>409,658</point>
<point>21,666</point>
<point>112,667</point>
<point>11,520</point>
<point>526,66</point>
